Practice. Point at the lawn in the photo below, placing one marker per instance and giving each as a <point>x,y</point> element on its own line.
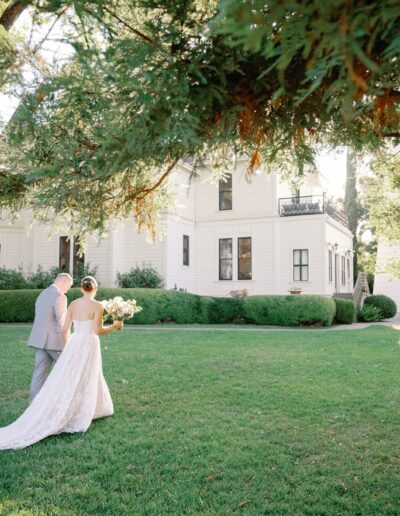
<point>218,423</point>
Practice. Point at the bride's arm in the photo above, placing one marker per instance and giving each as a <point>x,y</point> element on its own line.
<point>98,323</point>
<point>67,326</point>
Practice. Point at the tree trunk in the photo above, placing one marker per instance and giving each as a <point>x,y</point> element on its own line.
<point>351,205</point>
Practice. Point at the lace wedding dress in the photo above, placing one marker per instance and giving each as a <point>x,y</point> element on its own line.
<point>74,394</point>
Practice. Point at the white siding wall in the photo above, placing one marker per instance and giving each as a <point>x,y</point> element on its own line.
<point>384,283</point>
<point>302,232</point>
<point>179,275</point>
<point>207,256</point>
<point>336,234</point>
<point>254,214</point>
<point>253,199</point>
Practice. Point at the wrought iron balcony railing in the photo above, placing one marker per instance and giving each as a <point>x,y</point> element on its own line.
<point>311,205</point>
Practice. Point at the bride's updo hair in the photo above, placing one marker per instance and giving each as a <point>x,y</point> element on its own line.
<point>89,283</point>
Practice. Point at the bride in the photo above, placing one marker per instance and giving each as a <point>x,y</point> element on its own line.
<point>75,392</point>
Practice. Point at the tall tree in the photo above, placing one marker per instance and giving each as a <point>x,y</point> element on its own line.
<point>381,193</point>
<point>154,80</point>
<point>351,204</point>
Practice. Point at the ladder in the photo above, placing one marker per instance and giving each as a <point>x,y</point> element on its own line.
<point>361,289</point>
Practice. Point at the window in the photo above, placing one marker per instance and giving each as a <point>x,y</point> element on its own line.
<point>225,259</point>
<point>244,258</point>
<point>185,250</point>
<point>330,266</point>
<point>64,260</point>
<point>225,193</point>
<point>348,269</point>
<point>64,254</point>
<point>300,264</point>
<point>343,270</point>
<point>79,260</point>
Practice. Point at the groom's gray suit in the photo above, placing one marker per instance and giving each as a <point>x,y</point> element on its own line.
<point>46,334</point>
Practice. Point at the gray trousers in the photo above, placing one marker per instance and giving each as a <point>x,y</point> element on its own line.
<point>44,359</point>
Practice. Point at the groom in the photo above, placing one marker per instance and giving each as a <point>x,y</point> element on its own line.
<point>46,335</point>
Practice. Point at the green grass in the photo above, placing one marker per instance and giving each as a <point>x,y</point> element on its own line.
<point>219,423</point>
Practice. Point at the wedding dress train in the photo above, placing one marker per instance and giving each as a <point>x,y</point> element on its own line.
<point>74,394</point>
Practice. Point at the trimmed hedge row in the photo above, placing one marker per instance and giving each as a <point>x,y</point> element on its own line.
<point>289,310</point>
<point>346,311</point>
<point>162,306</point>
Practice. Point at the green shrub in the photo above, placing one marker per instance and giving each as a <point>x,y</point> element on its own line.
<point>161,306</point>
<point>11,279</point>
<point>145,277</point>
<point>301,310</point>
<point>369,313</point>
<point>222,310</point>
<point>345,311</point>
<point>82,271</point>
<point>385,304</point>
<point>41,278</point>
<point>17,305</point>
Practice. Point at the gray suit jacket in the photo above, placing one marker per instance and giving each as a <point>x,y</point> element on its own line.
<point>50,312</point>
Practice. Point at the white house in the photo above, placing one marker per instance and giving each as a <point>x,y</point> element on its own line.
<point>258,235</point>
<point>384,283</point>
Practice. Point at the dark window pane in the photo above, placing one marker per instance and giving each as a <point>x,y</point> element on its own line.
<point>79,260</point>
<point>64,254</point>
<point>225,259</point>
<point>225,194</point>
<point>244,257</point>
<point>185,250</point>
<point>300,264</point>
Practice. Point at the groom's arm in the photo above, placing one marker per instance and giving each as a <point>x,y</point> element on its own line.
<point>60,311</point>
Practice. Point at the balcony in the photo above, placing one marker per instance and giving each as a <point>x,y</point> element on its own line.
<point>311,205</point>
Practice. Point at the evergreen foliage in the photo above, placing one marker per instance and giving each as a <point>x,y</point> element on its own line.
<point>384,303</point>
<point>345,311</point>
<point>154,81</point>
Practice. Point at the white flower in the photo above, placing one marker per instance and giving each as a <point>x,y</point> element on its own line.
<point>119,309</point>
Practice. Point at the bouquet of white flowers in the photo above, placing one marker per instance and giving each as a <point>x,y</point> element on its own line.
<point>119,310</point>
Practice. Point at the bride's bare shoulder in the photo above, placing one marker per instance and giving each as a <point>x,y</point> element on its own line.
<point>98,305</point>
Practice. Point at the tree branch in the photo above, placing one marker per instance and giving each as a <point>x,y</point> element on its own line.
<point>12,13</point>
<point>129,26</point>
<point>84,143</point>
<point>146,191</point>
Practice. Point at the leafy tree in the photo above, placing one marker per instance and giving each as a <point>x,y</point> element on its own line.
<point>351,205</point>
<point>381,193</point>
<point>153,81</point>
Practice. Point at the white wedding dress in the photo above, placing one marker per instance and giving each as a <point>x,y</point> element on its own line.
<point>74,394</point>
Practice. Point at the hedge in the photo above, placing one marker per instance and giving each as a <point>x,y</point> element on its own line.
<point>346,311</point>
<point>162,306</point>
<point>384,303</point>
<point>304,310</point>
